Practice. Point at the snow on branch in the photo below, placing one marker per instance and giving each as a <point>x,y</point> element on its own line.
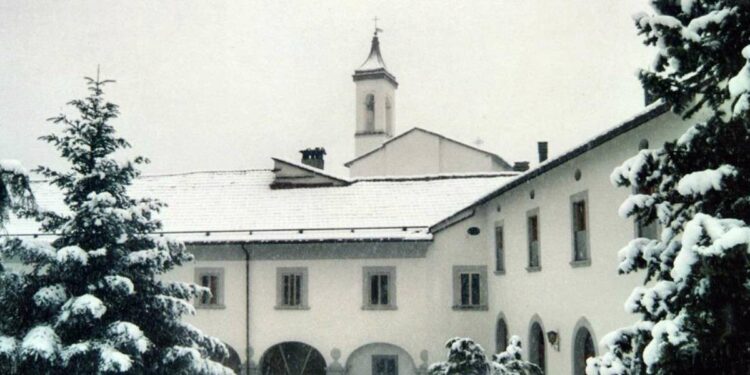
<point>701,182</point>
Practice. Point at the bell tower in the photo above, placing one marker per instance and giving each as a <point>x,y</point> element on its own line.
<point>375,101</point>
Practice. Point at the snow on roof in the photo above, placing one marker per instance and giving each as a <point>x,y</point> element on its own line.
<point>240,206</point>
<point>649,113</point>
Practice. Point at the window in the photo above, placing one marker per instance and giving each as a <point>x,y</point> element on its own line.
<point>499,249</point>
<point>470,287</point>
<point>536,346</point>
<point>580,231</point>
<point>384,365</point>
<point>291,288</point>
<point>379,288</point>
<point>643,226</point>
<point>532,218</point>
<point>501,336</point>
<point>584,349</point>
<point>213,280</point>
<point>388,116</point>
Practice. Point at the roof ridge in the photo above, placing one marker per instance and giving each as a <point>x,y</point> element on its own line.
<point>205,172</point>
<point>447,176</point>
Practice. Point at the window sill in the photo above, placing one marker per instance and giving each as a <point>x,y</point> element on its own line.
<point>534,269</point>
<point>580,263</point>
<point>292,307</point>
<point>470,308</point>
<point>379,307</point>
<point>210,307</point>
<point>499,272</point>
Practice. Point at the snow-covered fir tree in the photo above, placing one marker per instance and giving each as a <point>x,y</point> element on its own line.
<point>91,302</point>
<point>465,357</point>
<point>15,192</point>
<point>693,305</point>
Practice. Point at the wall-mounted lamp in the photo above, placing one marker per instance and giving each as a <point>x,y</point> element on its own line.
<point>554,339</point>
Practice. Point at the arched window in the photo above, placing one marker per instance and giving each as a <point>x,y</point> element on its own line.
<point>388,116</point>
<point>370,112</point>
<point>643,144</point>
<point>583,348</point>
<point>536,345</point>
<point>292,358</point>
<point>501,335</point>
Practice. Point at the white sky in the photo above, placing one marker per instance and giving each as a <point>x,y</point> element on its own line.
<point>225,85</point>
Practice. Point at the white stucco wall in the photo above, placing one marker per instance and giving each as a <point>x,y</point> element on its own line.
<point>561,294</point>
<point>419,153</point>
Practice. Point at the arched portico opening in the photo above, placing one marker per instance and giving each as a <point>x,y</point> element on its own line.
<point>537,345</point>
<point>380,359</point>
<point>233,360</point>
<point>292,358</point>
<point>583,345</point>
<point>501,333</point>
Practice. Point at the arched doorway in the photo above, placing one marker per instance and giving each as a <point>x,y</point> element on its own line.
<point>380,358</point>
<point>292,358</point>
<point>537,345</point>
<point>232,360</point>
<point>583,347</point>
<point>501,335</point>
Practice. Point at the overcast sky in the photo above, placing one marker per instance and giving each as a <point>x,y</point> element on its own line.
<point>218,85</point>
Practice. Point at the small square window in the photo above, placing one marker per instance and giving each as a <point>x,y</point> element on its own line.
<point>291,288</point>
<point>532,222</point>
<point>499,249</point>
<point>470,287</point>
<point>213,280</point>
<point>384,365</point>
<point>379,288</point>
<point>580,229</point>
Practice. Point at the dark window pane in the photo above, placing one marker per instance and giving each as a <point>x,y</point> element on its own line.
<point>297,289</point>
<point>533,228</point>
<point>383,289</point>
<point>374,290</point>
<point>286,289</point>
<point>465,289</point>
<point>499,245</point>
<point>475,289</point>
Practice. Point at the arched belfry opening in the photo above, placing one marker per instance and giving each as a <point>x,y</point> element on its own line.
<point>375,98</point>
<point>370,113</point>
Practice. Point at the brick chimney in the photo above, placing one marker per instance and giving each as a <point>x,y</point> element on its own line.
<point>542,148</point>
<point>314,157</point>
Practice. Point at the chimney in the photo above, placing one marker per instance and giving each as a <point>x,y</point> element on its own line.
<point>542,148</point>
<point>521,166</point>
<point>314,157</point>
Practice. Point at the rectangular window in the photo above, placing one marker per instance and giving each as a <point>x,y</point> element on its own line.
<point>291,288</point>
<point>384,365</point>
<point>379,288</point>
<point>644,228</point>
<point>579,229</point>
<point>499,249</point>
<point>470,287</point>
<point>532,218</point>
<point>213,280</point>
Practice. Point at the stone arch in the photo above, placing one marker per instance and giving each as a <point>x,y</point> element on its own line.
<point>360,361</point>
<point>233,360</point>
<point>369,112</point>
<point>537,343</point>
<point>292,358</point>
<point>501,333</point>
<point>583,346</point>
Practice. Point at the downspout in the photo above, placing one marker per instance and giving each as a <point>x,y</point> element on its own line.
<point>248,350</point>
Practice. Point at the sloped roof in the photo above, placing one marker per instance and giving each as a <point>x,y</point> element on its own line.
<point>649,113</point>
<point>229,205</point>
<point>374,66</point>
<point>494,156</point>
